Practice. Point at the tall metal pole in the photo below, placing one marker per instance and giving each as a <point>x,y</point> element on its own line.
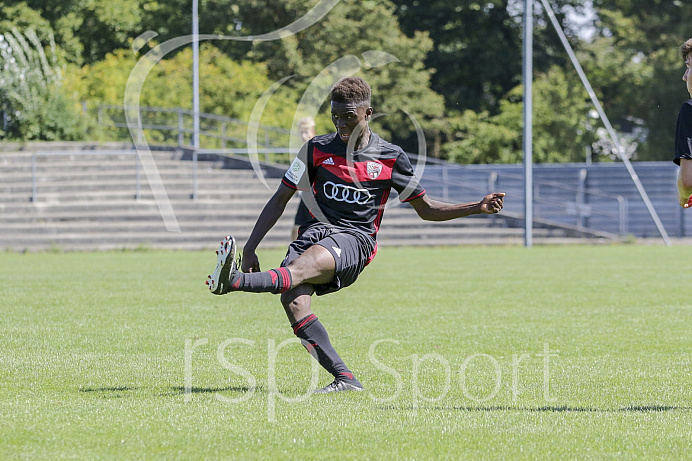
<point>195,94</point>
<point>195,75</point>
<point>528,123</point>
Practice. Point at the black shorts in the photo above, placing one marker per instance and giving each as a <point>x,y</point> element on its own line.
<point>677,158</point>
<point>352,251</point>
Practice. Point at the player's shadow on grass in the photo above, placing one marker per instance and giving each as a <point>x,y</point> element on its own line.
<point>108,389</point>
<point>552,409</point>
<point>115,392</point>
<point>212,390</point>
<point>631,408</point>
<point>121,391</point>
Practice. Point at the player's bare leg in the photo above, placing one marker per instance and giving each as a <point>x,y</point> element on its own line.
<point>315,265</point>
<point>295,283</point>
<point>297,302</point>
<point>685,183</point>
<point>306,326</point>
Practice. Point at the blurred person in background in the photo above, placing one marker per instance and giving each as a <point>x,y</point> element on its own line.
<point>306,126</point>
<point>683,134</point>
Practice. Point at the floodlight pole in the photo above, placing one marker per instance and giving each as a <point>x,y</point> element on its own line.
<point>195,74</point>
<point>528,123</point>
<point>195,94</point>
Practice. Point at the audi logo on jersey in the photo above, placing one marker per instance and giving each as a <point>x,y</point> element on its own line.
<point>345,193</point>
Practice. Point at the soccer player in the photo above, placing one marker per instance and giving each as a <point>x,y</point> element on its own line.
<point>346,177</point>
<point>683,134</point>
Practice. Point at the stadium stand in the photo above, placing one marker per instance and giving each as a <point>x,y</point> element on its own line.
<point>90,199</point>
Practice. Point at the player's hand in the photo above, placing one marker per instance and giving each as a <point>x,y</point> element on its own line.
<point>492,203</point>
<point>250,262</point>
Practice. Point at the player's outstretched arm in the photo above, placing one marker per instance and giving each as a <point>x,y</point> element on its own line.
<point>270,214</point>
<point>433,210</point>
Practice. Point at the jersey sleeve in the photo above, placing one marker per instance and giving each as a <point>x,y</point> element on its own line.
<point>683,133</point>
<point>404,180</point>
<point>300,171</point>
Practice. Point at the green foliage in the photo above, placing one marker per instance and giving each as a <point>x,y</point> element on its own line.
<point>560,123</point>
<point>351,28</point>
<point>479,138</point>
<point>454,57</point>
<point>647,34</point>
<point>398,86</point>
<point>631,63</point>
<point>32,100</point>
<point>103,82</point>
<point>89,29</point>
<point>227,87</point>
<point>478,46</point>
<point>22,16</point>
<point>473,48</point>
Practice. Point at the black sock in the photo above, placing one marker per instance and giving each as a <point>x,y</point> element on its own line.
<point>272,281</point>
<point>316,340</point>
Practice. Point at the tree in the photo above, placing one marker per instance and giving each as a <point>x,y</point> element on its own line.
<point>477,52</point>
<point>560,122</point>
<point>227,87</point>
<point>351,28</point>
<point>91,30</point>
<point>649,33</point>
<point>85,29</point>
<point>32,101</point>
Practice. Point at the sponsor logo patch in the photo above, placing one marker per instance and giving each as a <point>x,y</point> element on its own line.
<point>346,193</point>
<point>295,171</point>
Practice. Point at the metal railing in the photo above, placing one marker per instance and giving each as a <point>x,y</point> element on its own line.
<point>581,207</point>
<point>573,201</point>
<point>179,123</point>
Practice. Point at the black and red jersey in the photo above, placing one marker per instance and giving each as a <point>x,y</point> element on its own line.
<point>352,189</point>
<point>683,133</point>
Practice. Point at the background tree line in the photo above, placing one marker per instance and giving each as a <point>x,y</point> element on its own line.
<point>458,74</point>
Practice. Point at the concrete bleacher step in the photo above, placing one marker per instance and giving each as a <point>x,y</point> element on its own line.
<point>87,202</point>
<point>10,230</point>
<point>208,238</point>
<point>93,194</point>
<point>197,209</point>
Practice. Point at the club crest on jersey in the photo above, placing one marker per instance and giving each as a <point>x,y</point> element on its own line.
<point>374,169</point>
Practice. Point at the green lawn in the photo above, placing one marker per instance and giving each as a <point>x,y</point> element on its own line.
<point>570,352</point>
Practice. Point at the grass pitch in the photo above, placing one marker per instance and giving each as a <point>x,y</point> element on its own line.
<point>466,353</point>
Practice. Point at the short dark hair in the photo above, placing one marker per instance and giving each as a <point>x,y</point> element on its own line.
<point>686,49</point>
<point>351,90</point>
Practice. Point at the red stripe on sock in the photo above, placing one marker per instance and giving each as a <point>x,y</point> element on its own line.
<point>285,279</point>
<point>303,322</point>
<point>274,275</point>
